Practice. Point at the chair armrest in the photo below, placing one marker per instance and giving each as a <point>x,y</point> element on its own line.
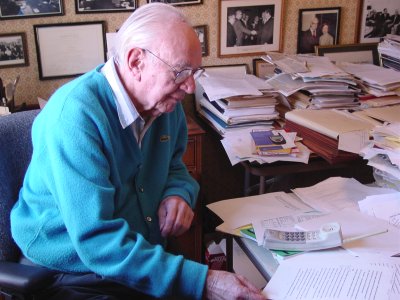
<point>23,278</point>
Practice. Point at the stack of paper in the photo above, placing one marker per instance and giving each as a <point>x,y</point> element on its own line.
<point>229,101</point>
<point>389,51</point>
<point>374,80</point>
<point>383,154</point>
<point>316,83</point>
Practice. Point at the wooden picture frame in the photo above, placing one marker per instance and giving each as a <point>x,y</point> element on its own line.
<point>202,34</point>
<point>354,53</point>
<point>22,9</point>
<point>263,69</point>
<point>378,18</point>
<point>254,38</point>
<point>13,51</point>
<point>69,49</point>
<point>318,26</point>
<point>106,6</point>
<point>177,2</point>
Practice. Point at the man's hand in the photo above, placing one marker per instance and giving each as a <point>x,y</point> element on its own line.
<point>222,285</point>
<point>175,216</point>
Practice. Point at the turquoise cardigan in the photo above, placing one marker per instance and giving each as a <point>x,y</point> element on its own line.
<point>90,196</point>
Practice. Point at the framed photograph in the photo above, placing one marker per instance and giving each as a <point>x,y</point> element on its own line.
<point>249,27</point>
<point>69,49</point>
<point>13,51</point>
<point>263,69</point>
<point>203,38</point>
<point>378,18</point>
<point>30,9</point>
<point>104,6</point>
<point>177,2</point>
<point>317,26</point>
<point>354,53</point>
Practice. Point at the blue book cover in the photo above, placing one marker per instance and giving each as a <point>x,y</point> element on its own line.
<point>266,139</point>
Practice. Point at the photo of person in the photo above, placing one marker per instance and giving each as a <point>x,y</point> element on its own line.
<point>326,39</point>
<point>252,25</point>
<point>201,32</point>
<point>317,27</point>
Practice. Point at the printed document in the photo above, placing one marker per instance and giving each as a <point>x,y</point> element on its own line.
<point>308,277</point>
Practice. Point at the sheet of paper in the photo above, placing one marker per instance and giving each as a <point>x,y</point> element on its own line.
<point>336,193</point>
<point>344,278</point>
<point>353,141</point>
<point>353,223</point>
<point>241,211</point>
<point>221,87</point>
<point>385,207</point>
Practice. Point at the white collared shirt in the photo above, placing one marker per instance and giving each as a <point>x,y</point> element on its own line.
<point>127,112</point>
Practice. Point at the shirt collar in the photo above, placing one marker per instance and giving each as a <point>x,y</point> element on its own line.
<point>127,112</point>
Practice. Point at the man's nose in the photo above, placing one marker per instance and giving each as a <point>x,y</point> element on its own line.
<point>189,85</point>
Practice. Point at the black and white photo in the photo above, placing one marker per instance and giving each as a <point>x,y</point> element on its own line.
<point>177,2</point>
<point>249,27</point>
<point>13,9</point>
<point>379,18</point>
<point>13,51</point>
<point>101,6</point>
<point>202,34</point>
<point>317,27</point>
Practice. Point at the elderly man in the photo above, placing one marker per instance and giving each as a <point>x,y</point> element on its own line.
<point>106,183</point>
<point>310,37</point>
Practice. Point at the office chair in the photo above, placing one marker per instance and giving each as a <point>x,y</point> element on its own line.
<point>17,281</point>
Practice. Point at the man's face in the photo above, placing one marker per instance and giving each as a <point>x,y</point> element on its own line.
<point>239,14</point>
<point>180,49</point>
<point>314,24</point>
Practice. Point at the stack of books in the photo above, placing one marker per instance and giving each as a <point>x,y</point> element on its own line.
<point>321,129</point>
<point>237,112</point>
<point>272,143</point>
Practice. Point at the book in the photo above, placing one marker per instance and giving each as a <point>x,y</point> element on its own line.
<point>329,122</point>
<point>267,140</point>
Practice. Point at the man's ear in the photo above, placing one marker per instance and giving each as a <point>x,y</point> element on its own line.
<point>135,62</point>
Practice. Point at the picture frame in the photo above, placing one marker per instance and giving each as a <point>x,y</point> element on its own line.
<point>353,53</point>
<point>378,18</point>
<point>177,2</point>
<point>105,6</point>
<point>22,9</point>
<point>13,51</point>
<point>69,49</point>
<point>202,34</point>
<point>264,22</point>
<point>318,26</point>
<point>263,69</point>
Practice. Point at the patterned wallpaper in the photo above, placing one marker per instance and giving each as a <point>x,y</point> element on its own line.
<point>30,87</point>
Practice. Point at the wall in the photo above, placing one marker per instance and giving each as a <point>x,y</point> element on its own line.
<point>30,87</point>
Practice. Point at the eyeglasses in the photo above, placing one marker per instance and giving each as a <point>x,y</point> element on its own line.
<point>181,76</point>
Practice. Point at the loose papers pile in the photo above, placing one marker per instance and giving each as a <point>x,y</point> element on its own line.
<point>234,100</point>
<point>383,154</point>
<point>314,82</point>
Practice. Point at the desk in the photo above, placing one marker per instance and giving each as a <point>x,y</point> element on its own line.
<point>315,163</point>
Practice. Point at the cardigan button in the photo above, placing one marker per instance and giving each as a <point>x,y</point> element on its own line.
<point>149,219</point>
<point>141,189</point>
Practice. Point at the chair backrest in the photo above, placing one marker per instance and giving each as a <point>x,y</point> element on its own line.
<point>15,155</point>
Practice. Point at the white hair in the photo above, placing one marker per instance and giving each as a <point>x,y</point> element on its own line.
<point>144,27</point>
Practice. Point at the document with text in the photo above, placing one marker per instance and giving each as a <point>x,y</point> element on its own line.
<point>344,278</point>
